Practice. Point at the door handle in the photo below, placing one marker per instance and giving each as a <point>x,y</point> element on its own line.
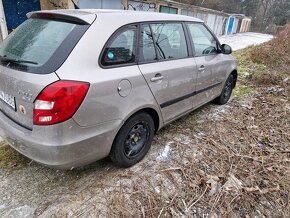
<point>201,68</point>
<point>157,77</point>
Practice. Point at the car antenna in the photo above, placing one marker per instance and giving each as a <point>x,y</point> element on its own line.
<point>75,5</point>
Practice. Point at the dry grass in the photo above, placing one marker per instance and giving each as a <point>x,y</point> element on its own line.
<point>237,164</point>
<point>223,161</point>
<point>10,158</point>
<point>276,53</point>
<point>250,144</point>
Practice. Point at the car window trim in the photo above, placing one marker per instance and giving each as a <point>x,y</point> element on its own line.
<point>176,22</point>
<point>138,24</point>
<point>109,41</point>
<point>189,50</point>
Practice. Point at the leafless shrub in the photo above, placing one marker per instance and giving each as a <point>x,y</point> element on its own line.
<point>276,53</point>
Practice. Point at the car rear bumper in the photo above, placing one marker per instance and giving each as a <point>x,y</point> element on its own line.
<point>63,146</point>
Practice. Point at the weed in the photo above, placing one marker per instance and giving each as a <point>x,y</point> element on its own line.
<point>241,91</point>
<point>11,158</point>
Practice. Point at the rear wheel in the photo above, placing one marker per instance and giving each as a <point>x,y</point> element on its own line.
<point>133,140</point>
<point>227,91</point>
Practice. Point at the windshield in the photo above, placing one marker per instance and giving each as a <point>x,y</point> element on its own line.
<point>37,41</point>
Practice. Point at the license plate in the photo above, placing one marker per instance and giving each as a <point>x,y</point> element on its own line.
<point>8,99</point>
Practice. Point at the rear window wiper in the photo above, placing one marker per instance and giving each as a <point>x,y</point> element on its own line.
<point>11,60</point>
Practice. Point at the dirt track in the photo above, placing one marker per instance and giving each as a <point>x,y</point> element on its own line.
<point>32,189</point>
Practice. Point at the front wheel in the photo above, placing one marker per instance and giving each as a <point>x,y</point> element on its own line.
<point>133,140</point>
<point>227,91</point>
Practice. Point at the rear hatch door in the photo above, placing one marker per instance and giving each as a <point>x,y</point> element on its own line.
<point>18,91</point>
<point>29,58</point>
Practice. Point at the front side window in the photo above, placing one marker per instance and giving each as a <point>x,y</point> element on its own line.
<point>121,48</point>
<point>169,40</point>
<point>203,41</point>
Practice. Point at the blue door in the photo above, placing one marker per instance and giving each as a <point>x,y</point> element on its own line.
<point>231,25</point>
<point>16,10</point>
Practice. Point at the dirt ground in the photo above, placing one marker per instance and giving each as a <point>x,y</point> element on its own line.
<point>219,161</point>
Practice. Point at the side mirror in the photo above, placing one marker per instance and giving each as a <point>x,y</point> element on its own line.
<point>226,49</point>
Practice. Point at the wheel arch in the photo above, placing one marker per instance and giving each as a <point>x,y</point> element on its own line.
<point>153,112</point>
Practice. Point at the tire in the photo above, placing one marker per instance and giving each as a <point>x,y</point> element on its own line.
<point>226,92</point>
<point>133,141</point>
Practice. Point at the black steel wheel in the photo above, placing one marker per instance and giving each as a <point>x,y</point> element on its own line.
<point>133,140</point>
<point>227,91</point>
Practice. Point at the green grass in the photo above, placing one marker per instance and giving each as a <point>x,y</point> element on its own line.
<point>241,91</point>
<point>11,158</point>
<point>246,67</point>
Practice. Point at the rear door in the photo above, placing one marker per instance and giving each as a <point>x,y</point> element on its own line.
<point>167,67</point>
<point>29,56</point>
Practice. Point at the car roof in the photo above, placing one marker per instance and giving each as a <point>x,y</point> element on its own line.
<point>89,15</point>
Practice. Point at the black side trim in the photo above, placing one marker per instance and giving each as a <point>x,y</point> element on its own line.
<point>173,101</point>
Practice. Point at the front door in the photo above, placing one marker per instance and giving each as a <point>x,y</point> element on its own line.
<point>168,70</point>
<point>209,60</point>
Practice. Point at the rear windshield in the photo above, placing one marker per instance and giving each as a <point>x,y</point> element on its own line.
<point>40,45</point>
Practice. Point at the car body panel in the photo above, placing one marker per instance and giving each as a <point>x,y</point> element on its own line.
<point>75,15</point>
<point>25,88</point>
<point>210,79</point>
<point>65,145</point>
<point>178,81</point>
<point>115,94</point>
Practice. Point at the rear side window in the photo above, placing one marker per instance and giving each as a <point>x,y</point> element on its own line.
<point>121,48</point>
<point>147,49</point>
<point>203,42</point>
<point>170,40</point>
<point>35,42</point>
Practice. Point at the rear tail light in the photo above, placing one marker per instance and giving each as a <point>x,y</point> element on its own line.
<point>58,102</point>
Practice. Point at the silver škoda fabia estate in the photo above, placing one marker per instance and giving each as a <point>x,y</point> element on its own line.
<point>79,85</point>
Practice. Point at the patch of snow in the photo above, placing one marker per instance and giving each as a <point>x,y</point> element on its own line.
<point>183,139</point>
<point>233,183</point>
<point>2,206</point>
<point>166,153</point>
<point>219,112</point>
<point>244,40</point>
<point>23,211</point>
<point>157,189</point>
<point>246,104</point>
<point>274,90</point>
<point>201,134</point>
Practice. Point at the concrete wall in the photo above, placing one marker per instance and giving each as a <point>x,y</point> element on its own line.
<point>210,21</point>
